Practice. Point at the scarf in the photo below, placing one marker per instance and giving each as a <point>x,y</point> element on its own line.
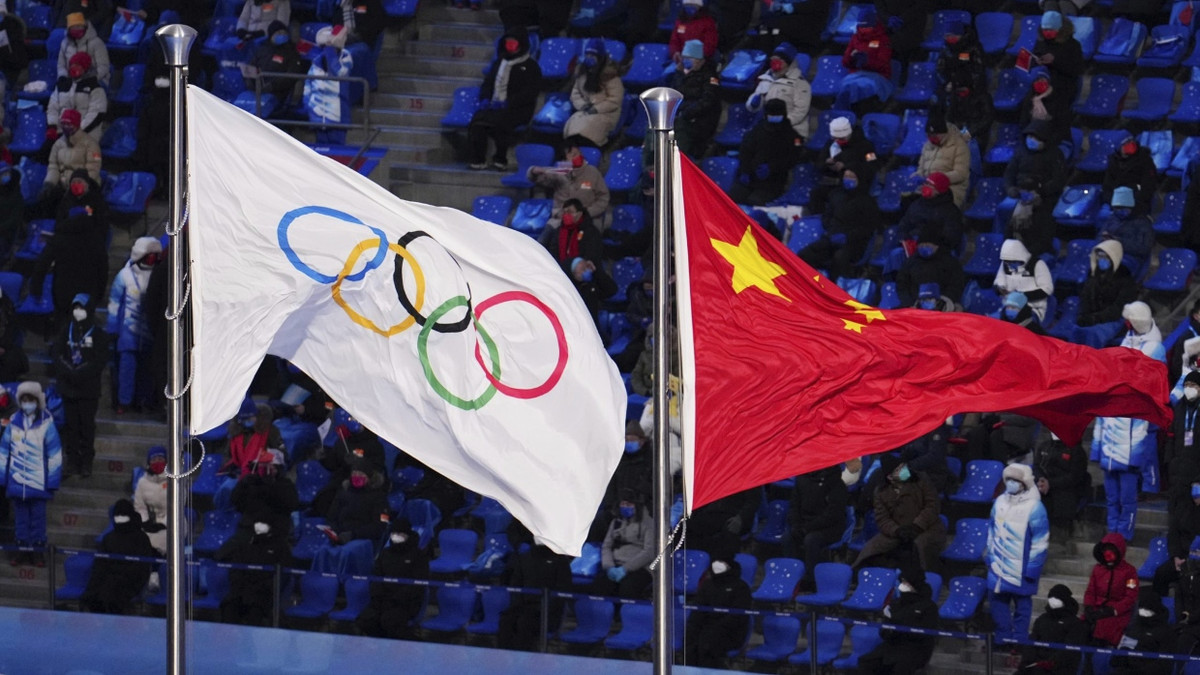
<point>1010,525</point>
<point>503,69</point>
<point>1039,108</point>
<point>568,241</point>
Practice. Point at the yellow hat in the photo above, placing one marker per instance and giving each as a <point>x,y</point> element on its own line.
<point>76,19</point>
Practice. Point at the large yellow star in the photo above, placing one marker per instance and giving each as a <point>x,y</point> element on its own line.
<point>750,268</point>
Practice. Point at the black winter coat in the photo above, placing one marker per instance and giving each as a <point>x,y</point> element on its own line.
<point>359,511</point>
<point>1045,167</point>
<point>1065,468</point>
<point>1177,452</point>
<point>1058,107</point>
<point>1151,634</point>
<point>975,113</point>
<point>12,210</point>
<point>939,210</point>
<point>13,57</point>
<point>941,268</point>
<point>1056,625</point>
<point>285,58</point>
<point>77,251</point>
<point>776,145</point>
<point>701,106</point>
<point>88,342</point>
<point>915,610</point>
<point>858,152</point>
<point>1136,171</point>
<point>265,499</point>
<point>818,504</point>
<point>115,583</point>
<point>722,590</point>
<point>961,64</point>
<point>524,85</point>
<point>1183,521</point>
<point>402,561</point>
<point>1068,65</point>
<point>908,37</point>
<point>539,567</point>
<point>854,213</point>
<point>1104,295</point>
<point>253,588</point>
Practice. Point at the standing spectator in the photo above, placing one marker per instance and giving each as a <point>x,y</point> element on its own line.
<point>581,181</point>
<point>130,328</point>
<point>816,518</point>
<point>1016,550</point>
<point>99,13</point>
<point>946,152</point>
<point>1187,603</point>
<point>540,568</point>
<point>1112,591</point>
<point>82,37</point>
<point>933,263</point>
<point>1047,104</point>
<point>935,208</point>
<point>1059,623</point>
<point>960,63</point>
<point>848,146</point>
<point>1019,271</point>
<point>1144,336</point>
<point>76,253</point>
<point>970,110</point>
<point>1109,287</point>
<point>696,120</point>
<point>79,356</point>
<point>1063,480</point>
<point>1183,451</point>
<point>258,15</point>
<point>13,57</point>
<point>393,607</point>
<point>906,512</point>
<point>784,81</point>
<point>1150,631</point>
<point>1135,231</point>
<point>357,519</point>
<point>1183,528</point>
<point>79,90</point>
<point>278,55</point>
<point>251,434</point>
<point>911,606</point>
<point>695,22</point>
<point>507,98</point>
<point>1059,51</point>
<point>905,24</point>
<point>868,57</point>
<point>627,550</point>
<point>1131,166</point>
<point>71,152</point>
<point>114,584</point>
<point>365,19</point>
<point>850,220</point>
<point>597,97</point>
<point>713,634</point>
<point>328,101</point>
<point>767,153</point>
<point>30,468</point>
<point>150,498</point>
<point>250,599</point>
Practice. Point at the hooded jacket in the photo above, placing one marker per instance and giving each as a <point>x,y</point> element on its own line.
<point>776,145</point>
<point>31,451</point>
<point>85,95</point>
<point>818,503</point>
<point>114,584</point>
<point>629,543</point>
<point>700,109</point>
<point>1147,634</point>
<point>876,44</point>
<point>1105,294</point>
<point>1044,168</point>
<point>915,609</point>
<point>973,113</point>
<point>1061,625</point>
<point>94,46</point>
<point>962,62</point>
<point>78,151</point>
<point>363,512</point>
<point>403,561</point>
<point>596,112</point>
<point>1018,536</point>
<point>952,157</point>
<point>1057,113</point>
<point>939,210</point>
<point>723,590</point>
<point>1069,64</point>
<point>126,320</point>
<point>789,87</point>
<point>522,88</point>
<point>1035,283</point>
<point>77,250</point>
<point>1137,172</point>
<point>1113,588</point>
<point>1065,468</point>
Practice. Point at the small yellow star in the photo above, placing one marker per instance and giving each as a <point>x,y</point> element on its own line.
<point>869,312</point>
<point>850,325</point>
<point>750,268</point>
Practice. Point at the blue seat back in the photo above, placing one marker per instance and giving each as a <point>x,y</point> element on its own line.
<point>1011,86</point>
<point>775,525</point>
<point>1155,95</point>
<point>963,599</point>
<point>29,132</point>
<point>318,591</point>
<point>805,231</point>
<point>738,120</point>
<point>554,113</point>
<point>1187,154</point>
<point>874,584</point>
<point>690,565</point>
<point>131,191</point>
<point>133,77</point>
<point>493,209</point>
<point>941,21</point>
<point>832,578</point>
<point>424,517</point>
<point>120,138</point>
<point>1166,46</point>
<point>1104,95</point>
<point>555,56</point>
<point>970,538</point>
<point>457,544</point>
<point>629,218</point>
<point>994,29</point>
<point>849,23</point>
<point>531,216</point>
<point>1158,555</point>
<point>830,72</point>
<point>721,170</point>
<point>624,169</point>
<point>1122,41</point>
<point>646,68</point>
<point>1087,34</point>
<point>127,31</point>
<point>914,135</point>
<point>780,577</point>
<point>743,66</point>
<point>462,108</point>
<point>1030,27</point>
<point>980,483</point>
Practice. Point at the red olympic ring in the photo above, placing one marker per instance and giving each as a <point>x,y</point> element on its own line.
<point>559,334</point>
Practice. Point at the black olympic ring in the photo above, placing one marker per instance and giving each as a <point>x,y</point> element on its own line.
<point>398,281</point>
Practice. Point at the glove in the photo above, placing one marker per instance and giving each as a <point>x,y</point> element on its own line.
<point>907,532</point>
<point>243,34</point>
<point>51,133</point>
<point>762,171</point>
<point>616,574</point>
<point>152,527</point>
<point>837,239</point>
<point>859,60</point>
<point>744,178</point>
<point>734,525</point>
<point>895,23</point>
<point>755,100</point>
<point>590,109</point>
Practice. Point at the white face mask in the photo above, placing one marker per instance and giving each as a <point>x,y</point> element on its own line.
<point>1191,393</point>
<point>399,538</point>
<point>1145,613</point>
<point>719,567</point>
<point>1054,603</point>
<point>1012,487</point>
<point>120,520</point>
<point>29,407</point>
<point>906,587</point>
<point>79,313</point>
<point>261,528</point>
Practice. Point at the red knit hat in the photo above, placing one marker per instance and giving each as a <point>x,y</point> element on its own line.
<point>939,181</point>
<point>70,116</point>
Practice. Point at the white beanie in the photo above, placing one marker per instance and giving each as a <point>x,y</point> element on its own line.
<point>1139,316</point>
<point>839,127</point>
<point>143,246</point>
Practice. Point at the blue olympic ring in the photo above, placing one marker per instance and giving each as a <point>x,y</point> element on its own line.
<point>286,222</point>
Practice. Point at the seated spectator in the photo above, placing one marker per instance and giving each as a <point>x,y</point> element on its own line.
<point>1112,591</point>
<point>694,22</point>
<point>258,15</point>
<point>970,110</point>
<point>394,607</point>
<point>937,208</point>
<point>784,81</point>
<point>593,283</point>
<point>190,13</point>
<point>932,263</point>
<point>76,253</point>
<point>1134,231</point>
<point>1018,535</point>
<point>1019,271</point>
<point>799,22</point>
<point>265,494</point>
<point>960,63</point>
<point>13,56</point>
<point>927,456</point>
<point>946,152</point>
<point>72,151</point>
<point>150,498</point>
<point>850,221</point>
<point>714,634</point>
<point>99,13</point>
<point>597,96</point>
<point>1187,602</point>
<point>577,237</point>
<point>1046,104</point>
<point>717,527</point>
<point>278,55</point>
<point>250,434</point>
<point>250,599</point>
<point>911,606</point>
<point>696,119</point>
<point>1059,623</point>
<point>579,181</point>
<point>627,551</point>
<point>1063,479</point>
<point>929,296</point>
<point>1032,218</point>
<point>1059,51</point>
<point>1150,631</point>
<point>848,146</point>
<point>506,100</point>
<point>348,441</point>
<point>328,101</point>
<point>115,584</point>
<point>816,518</point>
<point>868,57</point>
<point>82,37</point>
<point>906,512</point>
<point>365,19</point>
<point>1036,159</point>
<point>79,90</point>
<point>1016,309</point>
<point>768,152</point>
<point>357,519</point>
<point>1131,166</point>
<point>1109,287</point>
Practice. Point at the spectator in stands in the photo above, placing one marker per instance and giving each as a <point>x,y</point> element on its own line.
<point>929,296</point>
<point>30,467</point>
<point>250,599</point>
<point>969,109</point>
<point>1019,271</point>
<point>767,153</point>
<point>1150,631</point>
<point>114,584</point>
<point>77,252</point>
<point>1183,452</point>
<point>868,57</point>
<point>1059,623</point>
<point>905,24</point>
<point>1187,602</point>
<point>1016,550</point>
<point>934,263</point>
<point>1112,591</point>
<point>946,152</point>
<point>190,13</point>
<point>911,606</point>
<point>12,209</point>
<point>393,607</point>
<point>1059,51</point>
<point>150,498</point>
<point>507,98</point>
<point>696,120</point>
<point>577,237</point>
<point>250,434</point>
<point>906,512</point>
<point>78,357</point>
<point>848,146</point>
<point>711,635</point>
<point>1135,231</point>
<point>540,568</point>
<point>1109,287</point>
<point>82,37</point>
<point>597,96</point>
<point>694,22</point>
<point>13,361</point>
<point>581,181</point>
<point>927,456</point>
<point>1131,166</point>
<point>935,207</point>
<point>1016,309</point>
<point>816,518</point>
<point>348,440</point>
<point>850,220</point>
<point>717,527</point>
<point>278,55</point>
<point>13,57</point>
<point>1038,161</point>
<point>265,494</point>
<point>72,151</point>
<point>79,90</point>
<point>357,519</point>
<point>365,19</point>
<point>1189,225</point>
<point>1046,104</point>
<point>99,13</point>
<point>799,22</point>
<point>960,63</point>
<point>258,15</point>
<point>1032,218</point>
<point>627,550</point>
<point>129,327</point>
<point>1183,528</point>
<point>784,81</point>
<point>328,101</point>
<point>1063,480</point>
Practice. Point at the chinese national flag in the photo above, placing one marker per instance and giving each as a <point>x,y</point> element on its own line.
<point>784,373</point>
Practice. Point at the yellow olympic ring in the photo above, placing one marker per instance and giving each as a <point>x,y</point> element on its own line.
<point>363,321</point>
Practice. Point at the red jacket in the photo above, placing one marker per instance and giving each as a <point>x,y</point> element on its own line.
<point>874,42</point>
<point>702,27</point>
<point>1115,587</point>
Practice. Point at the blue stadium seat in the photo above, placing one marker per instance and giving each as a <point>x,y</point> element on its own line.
<point>1188,111</point>
<point>970,541</point>
<point>593,619</point>
<point>462,108</point>
<point>941,20</point>
<point>400,9</point>
<point>41,70</point>
<point>1193,59</point>
<point>830,72</point>
<point>624,272</point>
<point>1030,27</point>
<point>528,155</point>
<point>1165,48</point>
<point>77,569</point>
<point>29,131</point>
<point>833,582</point>
<point>1161,144</point>
<point>37,234</point>
<point>1078,206</point>
<point>133,77</point>
<point>804,232</point>
<point>1076,265</point>
<point>207,481</point>
<point>120,139</point>
<point>914,139</point>
<point>1104,97</point>
<point>228,83</point>
<point>555,57</point>
<point>989,192</point>
<point>738,121</point>
<point>593,13</point>
<point>455,607</point>
<point>424,517</point>
<point>830,634</point>
<point>963,599</point>
<point>624,169</point>
<point>310,539</point>
<point>983,475</point>
<point>882,258</point>
<point>1011,86</point>
<point>1179,10</point>
<point>358,595</point>
<point>130,193</point>
<point>862,640</point>
<point>980,299</point>
<point>494,602</point>
<point>646,68</point>
<point>986,259</point>
<point>1154,97</point>
<point>882,129</point>
<point>218,528</point>
<point>780,577</point>
<point>690,565</point>
<point>780,634</point>
<point>862,290</point>
<point>896,184</point>
<point>994,30</point>
<point>585,567</point>
<point>1121,43</point>
<point>820,138</point>
<point>1158,555</point>
<point>1087,34</point>
<point>629,218</point>
<point>874,585</point>
<point>310,478</point>
<point>553,115</point>
<point>1170,219</point>
<point>456,550</point>
<point>531,216</point>
<point>848,23</point>
<point>1008,137</point>
<point>804,179</point>
<point>637,628</point>
<point>492,208</point>
<point>216,586</point>
<point>721,170</point>
<point>1101,144</point>
<point>920,87</point>
<point>749,565</point>
<point>1175,267</point>
<point>1185,156</point>
<point>741,71</point>
<point>889,298</point>
<point>318,594</point>
<point>32,177</point>
<point>774,526</point>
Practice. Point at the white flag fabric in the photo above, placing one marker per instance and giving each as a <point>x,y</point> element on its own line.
<point>459,341</point>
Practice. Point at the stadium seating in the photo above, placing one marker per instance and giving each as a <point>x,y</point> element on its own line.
<point>829,644</point>
<point>1105,95</point>
<point>637,628</point>
<point>780,576</point>
<point>1175,267</point>
<point>994,30</point>
<point>318,594</point>
<point>1154,98</point>
<point>780,634</point>
<point>970,541</point>
<point>874,585</point>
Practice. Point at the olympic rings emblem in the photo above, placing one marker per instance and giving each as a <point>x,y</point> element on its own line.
<point>414,306</point>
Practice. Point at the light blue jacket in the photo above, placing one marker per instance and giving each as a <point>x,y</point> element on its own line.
<point>1124,443</point>
<point>125,319</point>
<point>30,456</point>
<point>1016,548</point>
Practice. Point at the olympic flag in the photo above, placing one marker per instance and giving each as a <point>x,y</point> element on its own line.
<point>459,341</point>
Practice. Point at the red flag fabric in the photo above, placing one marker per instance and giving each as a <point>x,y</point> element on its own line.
<point>785,373</point>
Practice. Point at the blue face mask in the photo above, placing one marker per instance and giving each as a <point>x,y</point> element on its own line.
<point>649,292</point>
<point>689,64</point>
<point>903,474</point>
<point>280,39</point>
<point>5,178</point>
<point>774,119</point>
<point>690,10</point>
<point>926,250</point>
<point>1027,196</point>
<point>248,423</point>
<point>1196,492</point>
<point>589,61</point>
<point>927,303</point>
<point>849,183</point>
<point>627,511</point>
<point>1103,264</point>
<point>586,276</point>
<point>1122,213</point>
<point>29,407</point>
<point>632,447</point>
<point>1033,143</point>
<point>1011,313</point>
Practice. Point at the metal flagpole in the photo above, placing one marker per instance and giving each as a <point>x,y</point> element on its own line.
<point>176,41</point>
<point>661,104</point>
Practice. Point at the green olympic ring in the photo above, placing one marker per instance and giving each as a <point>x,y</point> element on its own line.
<point>423,351</point>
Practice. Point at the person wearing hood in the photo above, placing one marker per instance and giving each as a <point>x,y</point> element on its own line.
<point>868,57</point>
<point>78,90</point>
<point>936,206</point>
<point>1135,231</point>
<point>1112,590</point>
<point>768,152</point>
<point>933,263</point>
<point>1046,104</point>
<point>906,512</point>
<point>695,21</point>
<point>328,101</point>
<point>250,599</point>
<point>78,357</point>
<point>1037,161</point>
<point>1187,602</point>
<point>816,518</point>
<point>278,55</point>
<point>593,284</point>
<point>597,95</point>
<point>1103,297</point>
<point>850,220</point>
<point>929,296</point>
<point>393,607</point>
<point>1016,309</point>
<point>115,584</point>
<point>960,63</point>
<point>1131,166</point>
<point>258,15</point>
<point>1150,631</point>
<point>628,550</point>
<point>1059,51</point>
<point>1018,537</point>
<point>266,493</point>
<point>82,37</point>
<point>357,519</point>
<point>347,441</point>
<point>700,111</point>
<point>710,634</point>
<point>784,81</point>
<point>250,433</point>
<point>945,152</point>
<point>77,253</point>
<point>1183,528</point>
<point>1063,479</point>
<point>540,568</point>
<point>1059,623</point>
<point>130,328</point>
<point>1020,272</point>
<point>30,467</point>
<point>507,99</point>
<point>911,606</point>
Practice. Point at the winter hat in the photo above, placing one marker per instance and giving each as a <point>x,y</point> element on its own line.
<point>1139,316</point>
<point>867,16</point>
<point>936,123</point>
<point>1016,299</point>
<point>775,106</point>
<point>693,49</point>
<point>939,181</point>
<point>81,299</point>
<point>1052,21</point>
<point>594,46</point>
<point>1123,196</point>
<point>70,116</point>
<point>248,409</point>
<point>913,574</point>
<point>124,507</point>
<point>839,127</point>
<point>1192,378</point>
<point>144,246</point>
<point>1061,592</point>
<point>81,59</point>
<point>34,389</point>
<point>155,451</point>
<point>1020,472</point>
<point>888,463</point>
<point>929,290</point>
<point>277,26</point>
<point>76,19</point>
<point>785,51</point>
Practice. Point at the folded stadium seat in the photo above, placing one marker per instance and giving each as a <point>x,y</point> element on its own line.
<point>889,298</point>
<point>555,58</point>
<point>456,550</point>
<point>37,234</point>
<point>780,634</point>
<point>874,586</point>
<point>29,131</point>
<point>980,299</point>
<point>863,639</point>
<point>318,594</point>
<point>1031,26</point>
<point>1105,96</point>
<point>832,580</point>
<point>994,30</point>
<point>133,77</point>
<point>424,516</point>
<point>804,232</point>
<point>228,83</point>
<point>985,261</point>
<point>126,35</point>
<point>721,170</point>
<point>1122,43</point>
<point>1158,555</point>
<point>1075,267</point>
<point>969,543</point>
<point>1154,98</point>
<point>492,208</point>
<point>882,129</point>
<point>494,601</point>
<point>899,181</point>
<point>646,68</point>
<point>1188,152</point>
<point>836,9</point>
<point>1101,143</point>
<point>1161,144</point>
<point>219,526</point>
<point>920,86</point>
<point>1175,267</point>
<point>881,259</point>
<point>77,570</point>
<point>741,71</point>
<point>1011,86</point>
<point>400,9</point>
<point>1165,48</point>
<point>131,192</point>
<point>38,22</point>
<point>215,585</point>
<point>914,137</point>
<point>690,566</point>
<point>774,525</point>
<point>1008,136</point>
<point>593,620</point>
<point>358,595</point>
<point>528,155</point>
<point>455,607</point>
<point>963,599</point>
<point>803,180</point>
<point>1188,111</point>
<point>637,628</point>
<point>983,475</point>
<point>830,635</point>
<point>1078,206</point>
<point>738,121</point>
<point>221,32</point>
<point>1170,219</point>
<point>820,138</point>
<point>33,175</point>
<point>462,108</point>
<point>989,192</point>
<point>780,577</point>
<point>749,565</point>
<point>848,24</point>
<point>830,72</point>
<point>627,218</point>
<point>1087,34</point>
<point>585,567</point>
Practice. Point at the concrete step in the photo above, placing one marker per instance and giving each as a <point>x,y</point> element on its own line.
<point>461,32</point>
<point>407,103</point>
<point>452,67</point>
<point>412,85</point>
<point>403,118</point>
<point>442,12</point>
<point>479,52</point>
<point>108,424</point>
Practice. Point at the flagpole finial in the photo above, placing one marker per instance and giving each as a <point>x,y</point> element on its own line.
<point>176,41</point>
<point>661,103</point>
